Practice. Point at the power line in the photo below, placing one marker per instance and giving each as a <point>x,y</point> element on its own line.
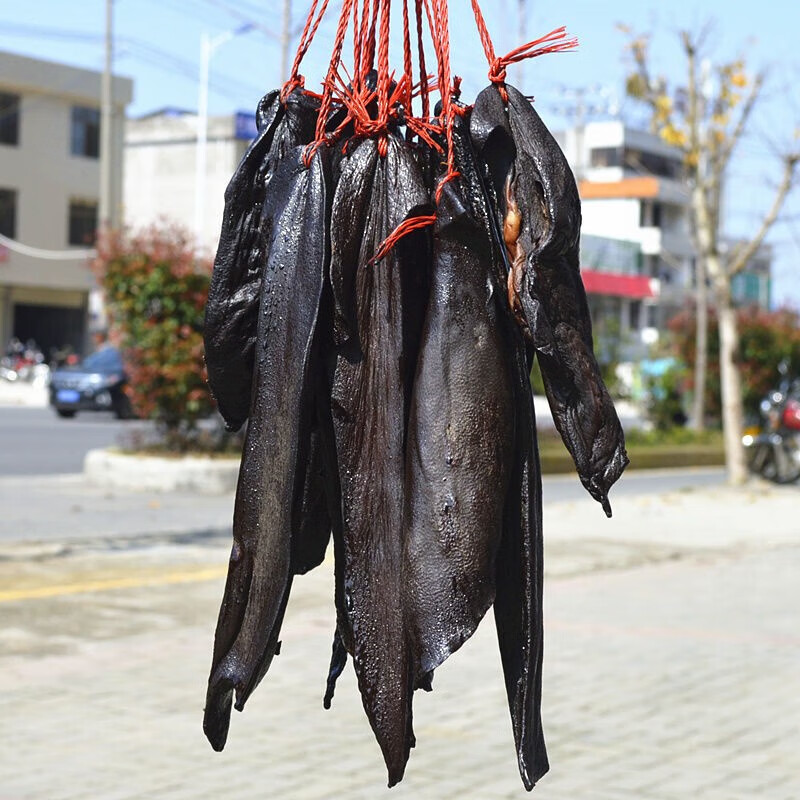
<point>244,18</point>
<point>39,32</point>
<point>172,63</point>
<point>138,49</point>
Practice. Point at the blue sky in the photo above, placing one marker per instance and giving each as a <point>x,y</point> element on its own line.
<point>158,44</point>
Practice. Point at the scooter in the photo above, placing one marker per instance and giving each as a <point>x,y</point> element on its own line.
<point>773,450</point>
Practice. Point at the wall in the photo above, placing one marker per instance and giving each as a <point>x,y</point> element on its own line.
<point>46,176</point>
<point>160,162</point>
<point>617,218</point>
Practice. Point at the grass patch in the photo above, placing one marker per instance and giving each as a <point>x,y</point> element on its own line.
<point>679,447</point>
<point>674,437</point>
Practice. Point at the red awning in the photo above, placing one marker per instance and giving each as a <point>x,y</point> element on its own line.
<point>637,287</point>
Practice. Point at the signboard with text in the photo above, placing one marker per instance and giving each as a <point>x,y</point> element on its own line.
<point>245,126</point>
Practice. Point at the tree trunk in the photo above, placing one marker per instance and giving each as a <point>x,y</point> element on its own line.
<point>698,416</point>
<point>731,386</point>
<point>706,265</point>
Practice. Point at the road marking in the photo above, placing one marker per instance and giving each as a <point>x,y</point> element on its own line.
<point>59,590</point>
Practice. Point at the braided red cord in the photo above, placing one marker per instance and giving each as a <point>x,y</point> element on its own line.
<point>369,40</point>
<point>330,82</point>
<point>384,78</point>
<point>371,20</point>
<point>408,64</point>
<point>483,32</point>
<point>442,39</point>
<point>403,229</point>
<point>309,31</point>
<point>356,41</point>
<point>554,42</point>
<point>423,70</point>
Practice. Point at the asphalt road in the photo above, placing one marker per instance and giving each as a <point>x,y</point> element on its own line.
<point>564,488</point>
<point>34,441</point>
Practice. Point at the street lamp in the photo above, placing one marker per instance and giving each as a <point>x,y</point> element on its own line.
<point>208,45</point>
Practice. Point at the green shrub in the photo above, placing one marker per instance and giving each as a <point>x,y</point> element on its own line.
<point>156,290</point>
<point>765,339</point>
<point>664,395</point>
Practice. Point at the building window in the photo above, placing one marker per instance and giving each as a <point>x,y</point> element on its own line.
<point>650,214</point>
<point>656,215</point>
<point>82,222</point>
<point>85,132</point>
<point>9,118</point>
<point>605,157</point>
<point>644,214</point>
<point>634,314</point>
<point>8,213</point>
<point>651,164</point>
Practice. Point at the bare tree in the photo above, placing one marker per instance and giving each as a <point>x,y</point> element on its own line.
<point>706,118</point>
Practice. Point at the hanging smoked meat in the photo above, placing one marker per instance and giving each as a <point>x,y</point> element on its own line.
<point>385,276</point>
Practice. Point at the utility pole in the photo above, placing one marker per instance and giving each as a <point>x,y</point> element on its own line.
<point>208,46</point>
<point>105,217</point>
<point>202,139</point>
<point>286,35</point>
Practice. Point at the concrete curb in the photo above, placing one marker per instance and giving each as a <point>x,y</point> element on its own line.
<point>24,394</point>
<point>113,469</point>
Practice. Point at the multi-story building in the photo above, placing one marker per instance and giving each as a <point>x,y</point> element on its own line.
<point>631,190</point>
<point>49,189</point>
<point>753,285</point>
<point>161,165</point>
<point>637,247</point>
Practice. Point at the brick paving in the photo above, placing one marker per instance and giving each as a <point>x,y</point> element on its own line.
<point>671,672</point>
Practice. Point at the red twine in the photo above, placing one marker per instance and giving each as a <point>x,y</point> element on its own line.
<point>373,108</point>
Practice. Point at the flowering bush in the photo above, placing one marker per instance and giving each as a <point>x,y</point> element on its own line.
<point>765,339</point>
<point>156,290</point>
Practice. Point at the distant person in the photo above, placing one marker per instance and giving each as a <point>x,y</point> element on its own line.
<point>100,340</point>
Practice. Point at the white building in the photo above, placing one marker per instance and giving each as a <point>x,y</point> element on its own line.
<point>161,169</point>
<point>634,198</point>
<point>49,189</point>
<point>631,190</point>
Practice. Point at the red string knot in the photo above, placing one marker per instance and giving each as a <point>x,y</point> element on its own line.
<point>497,71</point>
<point>295,82</point>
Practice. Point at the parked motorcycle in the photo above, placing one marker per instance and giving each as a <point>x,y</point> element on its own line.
<point>773,450</point>
<point>21,361</point>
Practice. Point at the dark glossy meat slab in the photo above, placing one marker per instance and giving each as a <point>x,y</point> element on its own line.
<point>232,310</point>
<point>541,189</point>
<point>369,407</point>
<point>461,428</point>
<point>296,218</point>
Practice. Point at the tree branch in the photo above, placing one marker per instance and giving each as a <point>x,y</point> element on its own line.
<point>722,159</point>
<point>692,117</point>
<point>743,255</point>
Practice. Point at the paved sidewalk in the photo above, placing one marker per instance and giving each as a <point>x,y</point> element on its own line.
<point>671,671</point>
<point>33,394</point>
